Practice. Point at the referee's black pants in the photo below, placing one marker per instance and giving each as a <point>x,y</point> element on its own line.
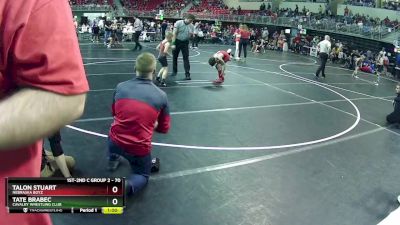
<point>136,40</point>
<point>324,57</point>
<point>184,47</point>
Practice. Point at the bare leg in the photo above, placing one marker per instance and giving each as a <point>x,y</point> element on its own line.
<point>62,165</point>
<point>164,73</point>
<point>355,72</point>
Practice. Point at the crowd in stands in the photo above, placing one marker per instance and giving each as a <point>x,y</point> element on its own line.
<point>364,23</point>
<point>392,5</point>
<point>170,7</point>
<point>217,7</point>
<point>93,3</point>
<point>368,21</point>
<point>141,5</point>
<point>87,2</point>
<point>209,7</point>
<point>365,3</point>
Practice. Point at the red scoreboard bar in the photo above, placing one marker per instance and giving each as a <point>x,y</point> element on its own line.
<point>65,195</point>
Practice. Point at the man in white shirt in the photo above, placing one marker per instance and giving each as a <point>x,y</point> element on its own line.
<point>183,31</point>
<point>324,50</point>
<point>382,52</point>
<point>265,33</point>
<point>137,28</point>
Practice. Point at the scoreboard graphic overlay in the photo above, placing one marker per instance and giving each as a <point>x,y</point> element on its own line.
<point>65,195</point>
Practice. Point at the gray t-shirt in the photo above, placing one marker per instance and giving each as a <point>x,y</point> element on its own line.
<point>138,25</point>
<point>183,31</point>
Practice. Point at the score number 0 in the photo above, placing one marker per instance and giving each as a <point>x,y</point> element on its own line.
<point>114,190</point>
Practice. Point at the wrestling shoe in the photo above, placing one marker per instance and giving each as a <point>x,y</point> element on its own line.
<point>218,81</point>
<point>155,165</point>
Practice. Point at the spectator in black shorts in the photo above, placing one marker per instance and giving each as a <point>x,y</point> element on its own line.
<point>164,48</point>
<point>107,31</point>
<point>95,32</point>
<point>113,35</point>
<point>119,34</point>
<point>164,27</point>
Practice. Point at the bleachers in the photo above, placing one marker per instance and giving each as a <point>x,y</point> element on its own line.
<point>89,2</point>
<point>248,12</point>
<point>92,3</point>
<point>211,6</point>
<point>150,5</point>
<point>365,3</point>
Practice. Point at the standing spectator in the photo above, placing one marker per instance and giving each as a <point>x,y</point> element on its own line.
<point>42,88</point>
<point>107,30</point>
<point>265,33</point>
<point>76,25</point>
<point>275,35</point>
<point>296,10</point>
<point>379,63</point>
<point>95,32</point>
<point>137,28</point>
<point>237,41</point>
<point>285,46</point>
<point>369,54</point>
<point>346,11</point>
<point>164,27</point>
<point>281,39</point>
<point>296,42</point>
<point>119,34</point>
<point>324,49</point>
<point>195,39</point>
<point>385,64</point>
<point>341,56</point>
<point>244,40</point>
<point>397,66</point>
<point>382,52</point>
<point>183,31</point>
<point>132,130</point>
<point>262,7</point>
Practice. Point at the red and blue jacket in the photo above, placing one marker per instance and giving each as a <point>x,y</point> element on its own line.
<point>138,104</point>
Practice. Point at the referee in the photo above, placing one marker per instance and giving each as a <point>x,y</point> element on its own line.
<point>137,27</point>
<point>183,31</point>
<point>324,50</point>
